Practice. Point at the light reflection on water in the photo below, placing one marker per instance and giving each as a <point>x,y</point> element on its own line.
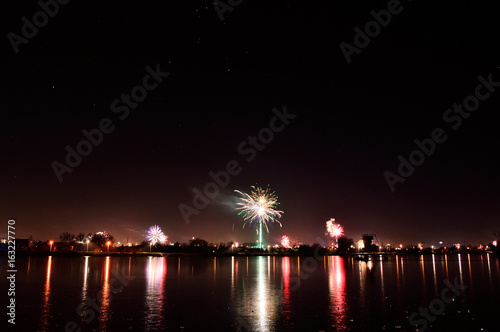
<point>287,293</point>
<point>398,279</point>
<point>382,287</point>
<point>46,304</point>
<point>460,268</point>
<point>251,293</point>
<point>446,266</point>
<point>470,273</point>
<point>336,287</point>
<point>489,267</point>
<point>105,298</point>
<point>262,295</point>
<point>155,298</point>
<point>265,295</point>
<point>422,265</point>
<point>85,273</point>
<point>434,274</point>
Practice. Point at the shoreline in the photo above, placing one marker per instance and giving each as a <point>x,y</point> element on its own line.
<point>240,254</point>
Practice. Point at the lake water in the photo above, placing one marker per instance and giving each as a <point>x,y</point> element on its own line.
<point>262,293</point>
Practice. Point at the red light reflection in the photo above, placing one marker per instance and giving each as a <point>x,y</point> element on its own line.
<point>336,286</point>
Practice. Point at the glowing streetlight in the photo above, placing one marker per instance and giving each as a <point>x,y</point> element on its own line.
<point>108,243</point>
<point>88,245</point>
<point>51,243</point>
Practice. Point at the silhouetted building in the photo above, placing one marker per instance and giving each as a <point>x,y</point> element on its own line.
<point>367,241</point>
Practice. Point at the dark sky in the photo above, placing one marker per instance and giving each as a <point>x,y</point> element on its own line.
<point>352,120</point>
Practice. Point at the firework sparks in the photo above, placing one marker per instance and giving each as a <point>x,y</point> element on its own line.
<point>334,230</point>
<point>285,241</point>
<point>258,207</point>
<point>155,235</point>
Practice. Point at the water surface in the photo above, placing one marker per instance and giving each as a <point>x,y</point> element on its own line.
<point>264,293</point>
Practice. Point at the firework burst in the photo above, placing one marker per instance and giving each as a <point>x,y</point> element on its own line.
<point>285,241</point>
<point>155,235</point>
<point>333,229</point>
<point>259,207</point>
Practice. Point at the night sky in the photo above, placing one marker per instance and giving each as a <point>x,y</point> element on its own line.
<point>352,120</point>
